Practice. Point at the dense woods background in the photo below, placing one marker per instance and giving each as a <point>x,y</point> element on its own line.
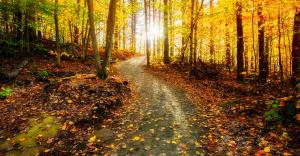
<point>236,61</point>
<point>251,37</point>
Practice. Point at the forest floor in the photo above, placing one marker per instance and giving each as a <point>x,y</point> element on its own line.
<point>139,111</point>
<point>233,113</point>
<point>58,111</point>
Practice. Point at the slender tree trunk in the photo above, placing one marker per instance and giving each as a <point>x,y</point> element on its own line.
<point>166,33</point>
<point>18,20</point>
<point>296,46</point>
<point>76,29</point>
<point>109,37</point>
<point>117,28</point>
<point>124,26</point>
<point>227,42</point>
<point>246,59</point>
<point>58,59</point>
<point>133,26</point>
<point>253,38</point>
<point>183,34</point>
<point>171,23</point>
<point>192,33</point>
<point>263,73</point>
<point>86,43</point>
<point>154,22</point>
<point>93,37</point>
<point>147,33</point>
<point>240,42</point>
<point>285,51</point>
<point>279,45</point>
<point>159,28</point>
<point>70,30</point>
<point>196,33</point>
<point>211,42</point>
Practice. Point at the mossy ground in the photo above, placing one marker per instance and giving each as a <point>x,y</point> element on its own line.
<point>46,127</point>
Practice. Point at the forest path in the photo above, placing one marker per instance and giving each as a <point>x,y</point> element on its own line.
<point>162,122</point>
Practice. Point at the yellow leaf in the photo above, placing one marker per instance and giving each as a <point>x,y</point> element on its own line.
<point>47,150</point>
<point>152,131</point>
<point>22,139</point>
<point>136,138</point>
<point>92,139</point>
<point>112,146</point>
<point>64,127</point>
<point>197,144</point>
<point>267,149</point>
<point>173,142</point>
<point>69,101</point>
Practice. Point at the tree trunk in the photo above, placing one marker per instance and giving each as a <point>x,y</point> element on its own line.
<point>147,33</point>
<point>58,59</point>
<point>70,31</point>
<point>211,41</point>
<point>227,42</point>
<point>133,26</point>
<point>279,45</point>
<point>110,27</point>
<point>85,45</point>
<point>296,47</point>
<point>76,29</point>
<point>117,27</point>
<point>253,38</point>
<point>263,72</point>
<point>94,38</point>
<point>166,33</point>
<point>240,42</point>
<point>196,33</point>
<point>124,26</point>
<point>192,33</point>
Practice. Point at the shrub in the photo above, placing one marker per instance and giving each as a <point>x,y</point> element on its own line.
<point>43,75</point>
<point>273,113</point>
<point>5,92</point>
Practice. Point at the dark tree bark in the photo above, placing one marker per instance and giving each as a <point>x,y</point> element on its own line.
<point>296,47</point>
<point>57,37</point>
<point>109,37</point>
<point>93,37</point>
<point>18,20</point>
<point>240,42</point>
<point>263,66</point>
<point>279,45</point>
<point>166,34</point>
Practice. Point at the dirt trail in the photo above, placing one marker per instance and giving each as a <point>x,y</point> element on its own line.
<point>163,117</point>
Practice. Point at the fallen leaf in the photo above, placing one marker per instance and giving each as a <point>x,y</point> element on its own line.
<point>92,139</point>
<point>22,139</point>
<point>64,126</point>
<point>267,149</point>
<point>136,138</point>
<point>197,144</point>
